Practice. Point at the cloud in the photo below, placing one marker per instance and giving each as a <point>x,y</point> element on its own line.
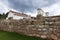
<point>53,9</point>
<point>3,6</point>
<point>28,5</point>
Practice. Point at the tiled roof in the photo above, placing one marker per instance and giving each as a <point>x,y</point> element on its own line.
<point>18,14</point>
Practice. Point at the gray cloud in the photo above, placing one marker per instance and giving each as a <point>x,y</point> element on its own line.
<point>28,5</point>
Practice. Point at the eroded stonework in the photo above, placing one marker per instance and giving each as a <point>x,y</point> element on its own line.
<point>40,26</point>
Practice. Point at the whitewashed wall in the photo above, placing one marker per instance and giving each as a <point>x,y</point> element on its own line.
<point>14,16</point>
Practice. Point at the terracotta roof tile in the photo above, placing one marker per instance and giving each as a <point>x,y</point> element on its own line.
<point>18,14</point>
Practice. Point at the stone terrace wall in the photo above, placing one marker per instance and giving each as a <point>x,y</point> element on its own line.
<point>27,27</point>
<point>30,27</point>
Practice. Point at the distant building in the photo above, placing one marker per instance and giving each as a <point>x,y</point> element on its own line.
<point>40,11</point>
<point>17,15</point>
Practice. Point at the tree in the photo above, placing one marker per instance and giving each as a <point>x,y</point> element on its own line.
<point>0,16</point>
<point>3,16</point>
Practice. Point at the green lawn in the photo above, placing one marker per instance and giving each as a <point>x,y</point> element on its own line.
<point>15,36</point>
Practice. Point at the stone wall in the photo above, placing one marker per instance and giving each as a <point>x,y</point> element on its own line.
<point>32,27</point>
<point>22,28</point>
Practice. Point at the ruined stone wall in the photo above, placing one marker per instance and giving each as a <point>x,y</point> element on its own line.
<point>32,27</point>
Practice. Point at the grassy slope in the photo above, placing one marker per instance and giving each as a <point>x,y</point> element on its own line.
<point>15,36</point>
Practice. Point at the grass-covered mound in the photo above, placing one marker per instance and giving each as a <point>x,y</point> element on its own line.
<point>15,36</point>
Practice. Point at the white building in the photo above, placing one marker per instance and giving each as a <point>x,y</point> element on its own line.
<point>40,11</point>
<point>17,15</point>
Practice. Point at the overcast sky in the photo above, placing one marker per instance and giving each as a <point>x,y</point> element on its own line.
<point>30,6</point>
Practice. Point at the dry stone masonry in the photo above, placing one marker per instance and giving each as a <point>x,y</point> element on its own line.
<point>45,27</point>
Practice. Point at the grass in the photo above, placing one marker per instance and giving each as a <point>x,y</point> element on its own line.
<point>15,36</point>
